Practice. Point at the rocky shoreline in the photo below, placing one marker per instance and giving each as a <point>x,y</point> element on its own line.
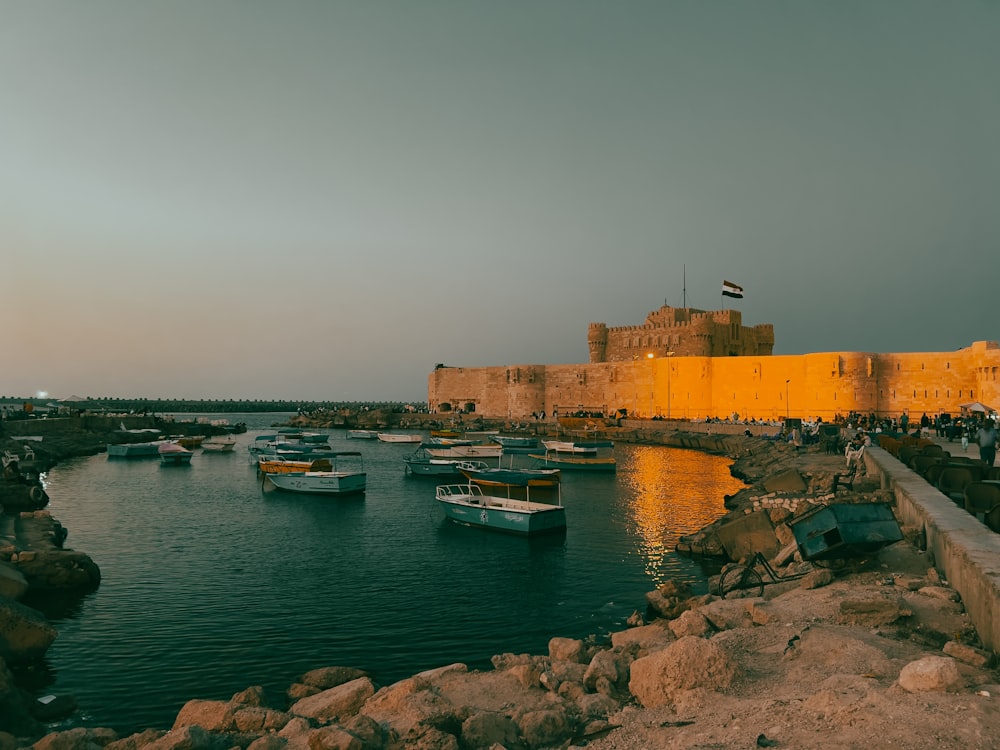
<point>822,660</point>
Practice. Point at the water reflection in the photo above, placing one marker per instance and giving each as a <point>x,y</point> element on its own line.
<point>673,493</point>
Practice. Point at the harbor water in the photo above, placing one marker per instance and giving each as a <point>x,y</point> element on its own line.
<point>213,582</point>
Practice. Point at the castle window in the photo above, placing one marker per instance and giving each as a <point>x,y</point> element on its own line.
<point>947,365</point>
<point>897,366</point>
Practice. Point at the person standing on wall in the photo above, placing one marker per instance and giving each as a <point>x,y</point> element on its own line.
<point>986,436</point>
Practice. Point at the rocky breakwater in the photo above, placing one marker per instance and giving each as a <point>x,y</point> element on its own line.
<point>34,564</point>
<point>881,653</point>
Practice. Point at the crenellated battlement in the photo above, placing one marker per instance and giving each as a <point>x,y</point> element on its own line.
<point>684,331</point>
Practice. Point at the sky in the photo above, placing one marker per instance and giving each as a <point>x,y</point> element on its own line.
<point>312,200</point>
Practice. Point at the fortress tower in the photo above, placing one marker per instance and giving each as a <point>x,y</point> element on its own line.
<point>681,331</point>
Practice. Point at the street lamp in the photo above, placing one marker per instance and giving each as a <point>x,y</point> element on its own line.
<point>669,355</point>
<point>652,383</point>
<point>786,398</point>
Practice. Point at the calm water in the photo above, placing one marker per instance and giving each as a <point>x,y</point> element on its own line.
<point>211,585</point>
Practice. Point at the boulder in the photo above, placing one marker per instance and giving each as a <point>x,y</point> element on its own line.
<point>488,728</point>
<point>690,623</point>
<point>932,673</point>
<point>643,638</point>
<point>567,649</point>
<point>78,738</point>
<point>544,728</point>
<point>325,678</point>
<point>336,703</point>
<point>25,634</point>
<point>744,535</point>
<point>689,663</point>
<point>608,672</point>
<point>13,584</point>
<point>215,716</point>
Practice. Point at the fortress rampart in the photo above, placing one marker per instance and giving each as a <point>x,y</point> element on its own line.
<point>673,384</point>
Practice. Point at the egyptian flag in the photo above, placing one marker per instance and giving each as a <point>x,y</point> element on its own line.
<point>729,289</point>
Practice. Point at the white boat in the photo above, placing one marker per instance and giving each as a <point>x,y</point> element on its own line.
<point>422,463</point>
<point>563,446</point>
<point>468,505</point>
<point>390,437</point>
<point>335,482</point>
<point>362,434</point>
<point>134,450</point>
<point>467,451</point>
<point>219,444</point>
<point>173,454</point>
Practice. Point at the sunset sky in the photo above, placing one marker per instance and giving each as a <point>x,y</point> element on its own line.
<point>322,200</point>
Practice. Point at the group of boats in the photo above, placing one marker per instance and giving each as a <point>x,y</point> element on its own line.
<point>486,493</point>
<point>172,451</point>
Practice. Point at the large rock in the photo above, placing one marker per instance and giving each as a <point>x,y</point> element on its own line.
<point>744,535</point>
<point>932,673</point>
<point>25,634</point>
<point>13,584</point>
<point>337,703</point>
<point>58,570</point>
<point>689,663</point>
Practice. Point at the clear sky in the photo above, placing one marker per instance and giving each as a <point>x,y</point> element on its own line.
<point>322,200</point>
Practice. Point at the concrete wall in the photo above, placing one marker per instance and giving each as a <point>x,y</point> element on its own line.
<point>965,551</point>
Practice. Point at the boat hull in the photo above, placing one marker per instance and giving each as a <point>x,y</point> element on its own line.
<point>465,505</point>
<point>133,450</point>
<point>387,437</point>
<point>321,482</point>
<point>433,468</point>
<point>574,463</point>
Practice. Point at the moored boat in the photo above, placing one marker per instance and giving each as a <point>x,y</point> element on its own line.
<point>333,482</point>
<point>134,450</point>
<point>390,437</point>
<point>174,454</point>
<point>188,441</point>
<point>469,505</point>
<point>494,476</point>
<point>467,451</point>
<point>279,465</point>
<point>422,463</point>
<point>362,434</point>
<point>553,459</point>
<point>219,444</point>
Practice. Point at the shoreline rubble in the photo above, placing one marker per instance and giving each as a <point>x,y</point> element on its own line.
<point>819,661</point>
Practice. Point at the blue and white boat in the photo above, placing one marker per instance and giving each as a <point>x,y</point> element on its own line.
<point>469,505</point>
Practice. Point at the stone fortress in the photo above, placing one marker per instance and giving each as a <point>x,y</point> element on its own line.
<point>690,364</point>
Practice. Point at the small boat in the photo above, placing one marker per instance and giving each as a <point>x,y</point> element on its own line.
<point>515,441</point>
<point>493,476</point>
<point>188,441</point>
<point>467,451</point>
<point>553,459</point>
<point>569,447</point>
<point>514,444</point>
<point>134,450</point>
<point>275,445</point>
<point>446,433</point>
<point>333,482</point>
<point>435,441</point>
<point>389,437</point>
<point>422,463</point>
<point>279,465</point>
<point>362,434</point>
<point>219,444</point>
<point>174,454</point>
<point>468,505</point>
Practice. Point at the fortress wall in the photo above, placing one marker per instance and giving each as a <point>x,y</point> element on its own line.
<point>820,385</point>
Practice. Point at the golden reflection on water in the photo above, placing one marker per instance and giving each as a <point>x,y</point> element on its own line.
<point>673,492</point>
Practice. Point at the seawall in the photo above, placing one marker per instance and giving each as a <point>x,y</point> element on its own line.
<point>963,549</point>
